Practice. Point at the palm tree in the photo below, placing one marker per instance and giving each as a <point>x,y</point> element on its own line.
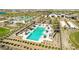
<point>18,45</point>
<point>15,44</point>
<point>2,45</point>
<point>27,47</point>
<point>0,41</point>
<point>52,47</point>
<point>42,45</point>
<point>17,40</point>
<point>24,46</point>
<point>49,47</point>
<point>6,42</point>
<point>39,44</point>
<point>56,48</point>
<point>11,43</point>
<point>30,43</point>
<point>14,39</point>
<point>36,44</point>
<point>46,46</point>
<point>30,48</point>
<point>3,42</point>
<point>34,48</point>
<point>25,41</point>
<point>33,43</point>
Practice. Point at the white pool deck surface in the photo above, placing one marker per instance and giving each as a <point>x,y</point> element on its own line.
<point>41,39</point>
<point>63,24</point>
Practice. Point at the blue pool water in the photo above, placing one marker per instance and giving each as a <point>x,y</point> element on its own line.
<point>36,34</point>
<point>2,12</point>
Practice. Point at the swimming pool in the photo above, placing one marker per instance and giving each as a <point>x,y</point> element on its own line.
<point>36,34</point>
<point>2,12</point>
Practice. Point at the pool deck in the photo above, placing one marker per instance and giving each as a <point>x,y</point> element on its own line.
<point>42,37</point>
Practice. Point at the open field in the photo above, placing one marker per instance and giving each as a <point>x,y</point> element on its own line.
<point>3,31</point>
<point>74,37</point>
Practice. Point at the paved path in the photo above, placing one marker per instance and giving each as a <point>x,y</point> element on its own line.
<point>3,20</point>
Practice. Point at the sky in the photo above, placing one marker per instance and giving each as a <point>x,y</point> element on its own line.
<point>40,4</point>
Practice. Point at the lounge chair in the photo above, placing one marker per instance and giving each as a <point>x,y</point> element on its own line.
<point>34,26</point>
<point>26,33</point>
<point>45,36</point>
<point>47,31</point>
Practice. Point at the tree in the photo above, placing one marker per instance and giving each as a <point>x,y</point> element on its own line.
<point>42,45</point>
<point>39,44</point>
<point>52,47</point>
<point>49,47</point>
<point>27,42</point>
<point>46,46</point>
<point>27,47</point>
<point>33,43</point>
<point>36,44</point>
<point>24,46</point>
<point>30,48</point>
<point>30,43</point>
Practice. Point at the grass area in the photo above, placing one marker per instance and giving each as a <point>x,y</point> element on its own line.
<point>55,23</point>
<point>63,11</point>
<point>74,37</point>
<point>3,31</point>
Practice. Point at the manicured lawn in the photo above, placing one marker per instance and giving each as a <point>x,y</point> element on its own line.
<point>3,31</point>
<point>74,37</point>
